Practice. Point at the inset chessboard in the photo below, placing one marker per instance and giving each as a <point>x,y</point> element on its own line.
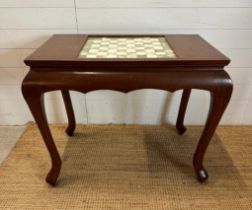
<point>126,47</point>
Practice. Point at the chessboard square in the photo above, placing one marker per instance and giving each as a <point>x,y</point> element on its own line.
<point>160,53</point>
<point>139,43</point>
<point>158,48</point>
<point>104,43</point>
<point>130,46</point>
<point>113,46</point>
<point>139,48</point>
<point>152,56</point>
<point>169,51</point>
<point>111,56</point>
<point>103,53</point>
<point>150,50</point>
<point>93,51</point>
<point>83,53</point>
<point>95,45</point>
<point>103,48</point>
<point>121,53</point>
<point>172,56</point>
<point>131,50</point>
<point>141,53</point>
<point>91,56</point>
<point>130,41</point>
<point>112,50</point>
<point>131,56</point>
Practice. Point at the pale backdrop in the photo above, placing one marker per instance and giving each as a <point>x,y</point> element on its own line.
<point>26,24</point>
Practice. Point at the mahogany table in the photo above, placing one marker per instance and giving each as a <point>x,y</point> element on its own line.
<point>125,63</point>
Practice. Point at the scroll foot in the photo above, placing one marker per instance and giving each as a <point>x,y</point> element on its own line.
<point>70,131</point>
<point>202,175</point>
<point>181,129</point>
<point>52,176</point>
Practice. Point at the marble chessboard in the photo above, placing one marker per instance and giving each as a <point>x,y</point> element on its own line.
<point>126,47</point>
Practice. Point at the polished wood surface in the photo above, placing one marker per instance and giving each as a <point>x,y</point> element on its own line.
<point>70,112</point>
<point>182,111</point>
<point>56,66</point>
<point>62,51</point>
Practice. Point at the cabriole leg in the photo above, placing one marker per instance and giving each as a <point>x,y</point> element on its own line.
<point>182,110</point>
<point>219,101</point>
<point>35,101</point>
<point>70,112</point>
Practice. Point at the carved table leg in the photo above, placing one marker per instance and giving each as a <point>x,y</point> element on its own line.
<point>217,82</point>
<point>182,110</point>
<point>219,101</point>
<point>35,101</point>
<point>70,112</point>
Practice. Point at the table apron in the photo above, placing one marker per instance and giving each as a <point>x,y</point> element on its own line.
<point>126,81</point>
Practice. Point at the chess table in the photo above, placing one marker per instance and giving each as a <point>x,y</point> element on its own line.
<point>124,63</point>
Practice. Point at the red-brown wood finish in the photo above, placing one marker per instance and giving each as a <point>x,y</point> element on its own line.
<point>56,66</point>
<point>70,112</point>
<point>182,110</point>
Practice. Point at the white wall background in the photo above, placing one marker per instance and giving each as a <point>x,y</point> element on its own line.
<point>26,24</point>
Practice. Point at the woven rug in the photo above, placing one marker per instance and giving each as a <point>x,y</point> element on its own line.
<point>129,167</point>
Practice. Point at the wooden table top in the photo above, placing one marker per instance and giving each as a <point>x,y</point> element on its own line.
<point>62,52</point>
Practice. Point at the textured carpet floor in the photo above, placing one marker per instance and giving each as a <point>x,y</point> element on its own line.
<point>129,167</point>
